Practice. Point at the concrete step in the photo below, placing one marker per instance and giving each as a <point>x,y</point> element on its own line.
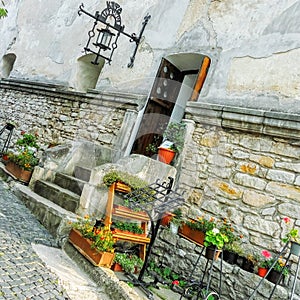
<point>70,183</point>
<point>58,195</point>
<point>54,218</point>
<point>82,173</point>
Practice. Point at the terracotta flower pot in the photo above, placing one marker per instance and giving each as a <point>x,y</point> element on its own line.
<point>165,220</point>
<point>166,155</point>
<point>262,272</point>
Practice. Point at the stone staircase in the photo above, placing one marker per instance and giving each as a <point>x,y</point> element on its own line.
<point>55,202</point>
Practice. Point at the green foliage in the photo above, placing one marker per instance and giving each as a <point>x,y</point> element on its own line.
<point>25,156</point>
<point>128,226</point>
<point>101,237</point>
<point>166,274</point>
<point>128,262</point>
<point>3,11</point>
<point>118,176</point>
<point>152,148</point>
<point>175,133</point>
<point>216,238</point>
<point>201,224</point>
<point>177,218</point>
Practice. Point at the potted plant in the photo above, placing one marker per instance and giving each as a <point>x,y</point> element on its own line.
<point>173,142</point>
<point>214,242</point>
<point>130,263</point>
<point>95,243</point>
<point>130,227</point>
<point>23,160</point>
<point>263,263</point>
<point>194,229</point>
<point>120,177</point>
<point>278,271</point>
<point>176,221</point>
<point>293,237</point>
<point>231,252</point>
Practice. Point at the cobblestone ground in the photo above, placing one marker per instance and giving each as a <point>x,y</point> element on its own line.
<point>22,273</point>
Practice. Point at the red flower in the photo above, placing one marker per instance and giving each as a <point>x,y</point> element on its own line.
<point>266,254</point>
<point>175,282</point>
<point>286,220</point>
<point>23,132</point>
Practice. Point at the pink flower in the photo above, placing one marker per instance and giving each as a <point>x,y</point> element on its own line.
<point>286,220</point>
<point>175,282</point>
<point>266,254</point>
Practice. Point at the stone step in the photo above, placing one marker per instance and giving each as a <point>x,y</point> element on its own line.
<point>58,195</point>
<point>82,173</point>
<point>54,218</point>
<point>70,183</point>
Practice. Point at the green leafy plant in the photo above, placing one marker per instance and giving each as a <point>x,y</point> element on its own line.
<point>118,176</point>
<point>101,237</point>
<point>175,133</point>
<point>25,156</point>
<point>177,218</point>
<point>128,226</point>
<point>3,11</point>
<point>215,237</point>
<point>279,265</point>
<point>152,148</point>
<point>263,260</point>
<point>129,262</point>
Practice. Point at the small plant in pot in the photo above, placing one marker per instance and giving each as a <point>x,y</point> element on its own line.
<point>176,221</point>
<point>214,241</point>
<point>130,263</point>
<point>292,236</point>
<point>173,142</point>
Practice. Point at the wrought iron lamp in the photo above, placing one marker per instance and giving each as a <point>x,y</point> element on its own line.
<point>110,29</point>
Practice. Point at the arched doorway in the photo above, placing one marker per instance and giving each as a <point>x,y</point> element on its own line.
<point>179,79</point>
<point>87,74</point>
<point>8,61</point>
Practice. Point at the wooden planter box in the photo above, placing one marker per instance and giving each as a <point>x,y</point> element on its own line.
<point>83,245</point>
<point>17,172</point>
<point>191,234</point>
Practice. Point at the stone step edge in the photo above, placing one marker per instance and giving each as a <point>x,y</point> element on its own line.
<point>104,277</point>
<point>31,199</point>
<point>61,189</point>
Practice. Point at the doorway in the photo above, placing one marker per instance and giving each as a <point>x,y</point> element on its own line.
<point>180,78</point>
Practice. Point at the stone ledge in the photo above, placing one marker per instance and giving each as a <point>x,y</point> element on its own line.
<point>285,125</point>
<point>95,97</point>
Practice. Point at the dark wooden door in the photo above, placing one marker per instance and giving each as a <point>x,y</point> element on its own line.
<point>159,108</point>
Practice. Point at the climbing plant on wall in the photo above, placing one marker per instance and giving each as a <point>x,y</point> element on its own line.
<point>3,11</point>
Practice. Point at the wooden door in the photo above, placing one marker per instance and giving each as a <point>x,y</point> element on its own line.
<point>200,78</point>
<point>159,108</point>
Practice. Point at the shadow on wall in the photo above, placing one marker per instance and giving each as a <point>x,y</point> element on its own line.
<point>7,64</point>
<point>87,73</point>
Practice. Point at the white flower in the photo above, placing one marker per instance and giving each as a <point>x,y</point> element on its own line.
<point>215,231</point>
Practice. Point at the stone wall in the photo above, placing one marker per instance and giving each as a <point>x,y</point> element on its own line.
<point>249,177</point>
<point>60,116</point>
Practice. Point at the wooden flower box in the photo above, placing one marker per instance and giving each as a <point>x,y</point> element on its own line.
<point>83,245</point>
<point>191,234</point>
<point>17,172</point>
